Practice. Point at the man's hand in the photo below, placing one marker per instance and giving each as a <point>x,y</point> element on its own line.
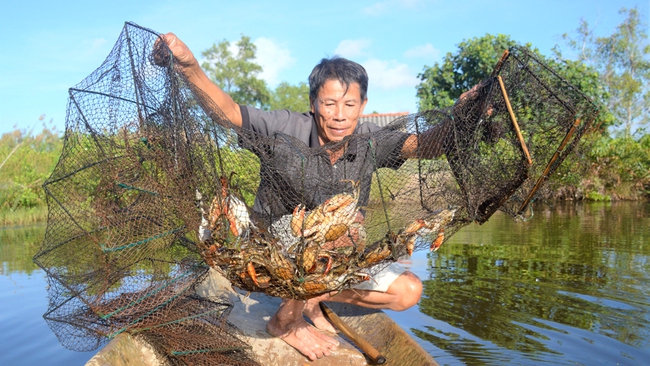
<point>189,66</point>
<point>471,95</point>
<point>182,54</point>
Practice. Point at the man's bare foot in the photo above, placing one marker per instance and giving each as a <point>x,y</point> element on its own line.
<point>289,325</point>
<point>313,312</point>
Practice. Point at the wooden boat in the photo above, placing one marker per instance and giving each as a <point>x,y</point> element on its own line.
<point>251,313</point>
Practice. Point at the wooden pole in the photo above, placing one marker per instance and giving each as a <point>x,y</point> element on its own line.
<point>497,68</point>
<point>550,165</point>
<point>514,120</point>
<point>366,347</point>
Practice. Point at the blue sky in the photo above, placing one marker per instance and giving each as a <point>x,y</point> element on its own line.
<point>49,46</point>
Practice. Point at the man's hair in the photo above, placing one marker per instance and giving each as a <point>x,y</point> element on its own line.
<point>341,69</point>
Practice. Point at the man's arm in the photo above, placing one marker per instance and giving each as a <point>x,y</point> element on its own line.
<point>431,141</point>
<point>195,75</point>
<point>430,145</point>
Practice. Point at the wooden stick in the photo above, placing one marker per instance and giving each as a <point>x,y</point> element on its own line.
<point>544,175</point>
<point>514,120</point>
<point>366,347</point>
<point>497,68</point>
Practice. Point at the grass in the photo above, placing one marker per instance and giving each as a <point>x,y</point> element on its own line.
<point>23,216</point>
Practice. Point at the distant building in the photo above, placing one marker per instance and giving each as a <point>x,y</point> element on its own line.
<point>381,119</point>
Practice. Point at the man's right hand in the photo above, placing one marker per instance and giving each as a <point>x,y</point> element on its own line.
<point>182,54</point>
<point>189,66</point>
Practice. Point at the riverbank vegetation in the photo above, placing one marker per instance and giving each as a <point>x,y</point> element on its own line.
<point>26,161</point>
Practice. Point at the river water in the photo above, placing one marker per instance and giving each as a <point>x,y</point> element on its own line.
<point>569,286</point>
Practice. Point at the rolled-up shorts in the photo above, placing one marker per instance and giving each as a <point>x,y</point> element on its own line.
<point>383,279</point>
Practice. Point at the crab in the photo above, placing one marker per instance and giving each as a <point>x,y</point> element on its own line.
<point>328,221</point>
<point>229,207</point>
<point>280,267</point>
<point>314,284</point>
<point>435,224</point>
<point>272,260</point>
<point>378,251</point>
<point>310,257</point>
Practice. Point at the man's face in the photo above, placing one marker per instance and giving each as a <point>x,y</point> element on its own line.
<point>336,110</point>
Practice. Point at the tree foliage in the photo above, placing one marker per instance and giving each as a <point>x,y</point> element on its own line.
<point>292,97</point>
<point>622,159</point>
<point>26,162</point>
<point>441,84</point>
<point>623,62</point>
<point>237,74</point>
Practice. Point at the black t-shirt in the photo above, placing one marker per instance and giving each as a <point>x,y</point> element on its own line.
<point>296,169</point>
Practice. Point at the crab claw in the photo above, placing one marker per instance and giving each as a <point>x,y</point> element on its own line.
<point>415,226</point>
<point>224,185</point>
<point>337,202</point>
<point>250,268</point>
<point>233,225</point>
<point>328,266</point>
<point>297,220</point>
<point>410,245</point>
<point>438,242</point>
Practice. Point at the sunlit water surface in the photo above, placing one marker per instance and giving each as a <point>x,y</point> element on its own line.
<point>569,286</point>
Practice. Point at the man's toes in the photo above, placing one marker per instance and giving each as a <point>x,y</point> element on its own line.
<point>330,343</point>
<point>318,352</point>
<point>327,352</point>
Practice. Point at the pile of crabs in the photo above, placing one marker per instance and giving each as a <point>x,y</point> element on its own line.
<point>328,251</point>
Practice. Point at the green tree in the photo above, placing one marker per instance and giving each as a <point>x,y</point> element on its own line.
<point>623,62</point>
<point>26,161</point>
<point>441,84</point>
<point>237,74</point>
<point>587,79</point>
<point>292,97</point>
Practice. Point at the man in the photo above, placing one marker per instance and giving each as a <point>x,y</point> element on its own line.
<point>337,100</point>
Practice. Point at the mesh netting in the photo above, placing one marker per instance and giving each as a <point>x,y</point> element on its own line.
<point>154,185</point>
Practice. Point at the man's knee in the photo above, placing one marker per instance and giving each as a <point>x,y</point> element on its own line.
<point>408,289</point>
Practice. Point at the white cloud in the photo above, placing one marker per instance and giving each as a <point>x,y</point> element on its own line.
<point>423,51</point>
<point>351,48</point>
<point>270,55</point>
<point>233,48</point>
<point>273,58</point>
<point>389,75</point>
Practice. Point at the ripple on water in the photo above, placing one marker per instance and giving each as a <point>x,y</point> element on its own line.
<point>602,301</point>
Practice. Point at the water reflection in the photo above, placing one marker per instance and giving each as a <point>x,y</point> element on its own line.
<point>25,337</point>
<point>17,248</point>
<point>574,279</point>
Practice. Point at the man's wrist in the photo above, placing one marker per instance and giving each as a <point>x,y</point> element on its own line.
<point>194,71</point>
